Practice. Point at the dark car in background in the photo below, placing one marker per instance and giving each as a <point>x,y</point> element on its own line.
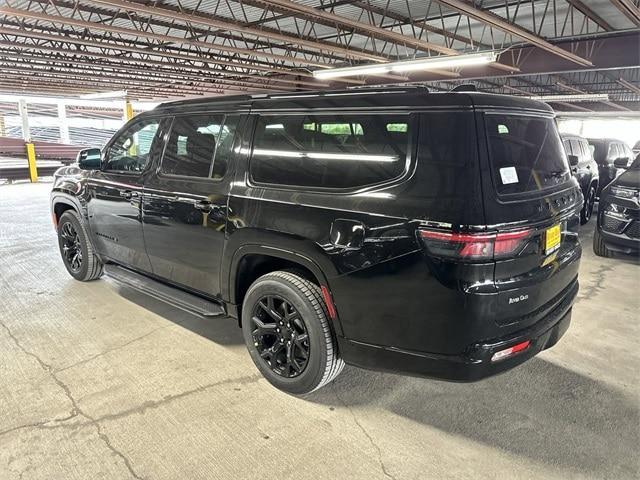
<point>434,234</point>
<point>619,214</point>
<point>585,169</point>
<point>605,152</point>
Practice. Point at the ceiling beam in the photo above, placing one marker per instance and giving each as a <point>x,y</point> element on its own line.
<point>99,74</point>
<point>214,22</point>
<point>333,20</point>
<point>628,85</point>
<point>629,9</point>
<point>93,26</point>
<point>589,13</point>
<point>29,69</point>
<point>165,74</point>
<point>364,5</point>
<point>243,77</point>
<point>495,21</point>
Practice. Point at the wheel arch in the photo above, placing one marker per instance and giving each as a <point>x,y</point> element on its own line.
<point>60,203</point>
<point>250,262</point>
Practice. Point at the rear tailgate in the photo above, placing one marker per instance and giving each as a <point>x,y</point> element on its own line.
<point>528,186</point>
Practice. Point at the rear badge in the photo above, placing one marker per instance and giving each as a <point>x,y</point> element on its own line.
<point>521,298</point>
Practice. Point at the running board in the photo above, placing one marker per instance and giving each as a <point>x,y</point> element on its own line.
<point>166,293</point>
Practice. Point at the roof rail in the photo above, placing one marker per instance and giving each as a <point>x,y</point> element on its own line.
<point>465,87</point>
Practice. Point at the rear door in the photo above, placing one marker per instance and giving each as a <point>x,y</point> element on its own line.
<point>530,192</point>
<point>185,201</point>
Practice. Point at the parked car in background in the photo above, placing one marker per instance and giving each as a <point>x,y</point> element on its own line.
<point>585,169</point>
<point>605,152</point>
<point>434,234</point>
<point>619,214</point>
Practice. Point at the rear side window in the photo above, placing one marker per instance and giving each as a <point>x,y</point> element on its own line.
<point>526,153</point>
<point>325,151</point>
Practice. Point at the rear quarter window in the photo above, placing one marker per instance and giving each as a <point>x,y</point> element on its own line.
<point>526,153</point>
<point>329,151</point>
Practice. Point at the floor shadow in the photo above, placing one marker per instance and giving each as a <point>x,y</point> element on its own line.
<point>220,330</point>
<point>540,410</point>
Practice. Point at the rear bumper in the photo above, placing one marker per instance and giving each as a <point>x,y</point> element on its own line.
<point>475,362</point>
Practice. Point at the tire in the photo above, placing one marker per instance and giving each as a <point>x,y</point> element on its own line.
<point>89,267</point>
<point>587,208</point>
<point>297,310</point>
<point>599,247</point>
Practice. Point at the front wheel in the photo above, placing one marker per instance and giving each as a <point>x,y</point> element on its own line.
<point>287,333</point>
<point>587,208</point>
<point>599,247</point>
<point>76,249</point>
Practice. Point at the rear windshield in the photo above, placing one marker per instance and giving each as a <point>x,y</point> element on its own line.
<point>526,153</point>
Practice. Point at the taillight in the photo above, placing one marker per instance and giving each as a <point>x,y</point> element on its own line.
<point>473,246</point>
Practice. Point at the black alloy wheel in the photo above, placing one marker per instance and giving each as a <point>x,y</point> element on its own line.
<point>280,336</point>
<point>71,247</point>
<point>288,332</point>
<point>587,209</point>
<point>78,255</point>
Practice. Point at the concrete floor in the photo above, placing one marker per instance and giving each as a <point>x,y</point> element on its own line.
<point>97,381</point>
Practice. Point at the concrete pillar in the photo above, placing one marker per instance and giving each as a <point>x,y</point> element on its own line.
<point>63,124</point>
<point>24,117</point>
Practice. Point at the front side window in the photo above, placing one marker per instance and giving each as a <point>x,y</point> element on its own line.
<point>130,150</point>
<point>526,153</point>
<point>329,151</point>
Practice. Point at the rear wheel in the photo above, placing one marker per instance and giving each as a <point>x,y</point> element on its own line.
<point>587,208</point>
<point>599,247</point>
<point>77,252</point>
<point>287,333</point>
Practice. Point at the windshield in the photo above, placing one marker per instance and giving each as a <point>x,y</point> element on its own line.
<point>526,153</point>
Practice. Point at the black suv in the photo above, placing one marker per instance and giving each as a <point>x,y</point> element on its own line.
<point>585,169</point>
<point>606,151</point>
<point>392,229</point>
<point>619,214</point>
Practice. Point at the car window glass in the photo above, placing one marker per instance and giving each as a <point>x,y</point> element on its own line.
<point>567,147</point>
<point>224,148</point>
<point>575,148</point>
<point>583,149</point>
<point>130,150</point>
<point>613,151</point>
<point>191,145</point>
<point>526,153</point>
<point>329,151</point>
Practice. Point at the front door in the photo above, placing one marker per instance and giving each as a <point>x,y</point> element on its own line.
<point>115,194</point>
<point>185,201</point>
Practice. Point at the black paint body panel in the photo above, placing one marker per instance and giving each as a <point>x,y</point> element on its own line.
<point>399,308</point>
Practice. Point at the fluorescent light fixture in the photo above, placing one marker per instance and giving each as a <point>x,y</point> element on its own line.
<point>94,96</point>
<point>587,97</point>
<point>431,63</point>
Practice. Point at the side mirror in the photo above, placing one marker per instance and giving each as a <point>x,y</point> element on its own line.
<point>573,160</point>
<point>89,159</point>
<point>621,162</point>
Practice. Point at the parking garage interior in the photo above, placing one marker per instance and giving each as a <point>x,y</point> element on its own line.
<point>102,380</point>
